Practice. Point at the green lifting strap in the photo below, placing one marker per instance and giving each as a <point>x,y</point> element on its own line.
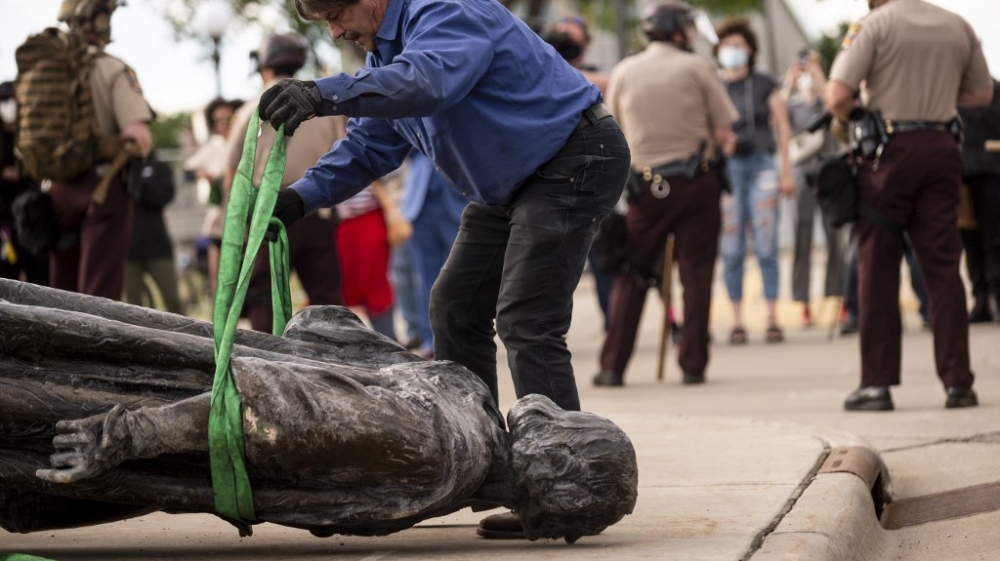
<point>233,495</point>
<point>20,557</point>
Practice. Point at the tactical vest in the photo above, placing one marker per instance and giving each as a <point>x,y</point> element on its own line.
<point>58,136</point>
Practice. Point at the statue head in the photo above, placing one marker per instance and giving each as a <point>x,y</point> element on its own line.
<point>578,470</point>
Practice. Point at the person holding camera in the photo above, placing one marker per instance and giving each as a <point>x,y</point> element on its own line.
<point>676,192</point>
<point>762,128</point>
<point>802,90</point>
<point>909,172</point>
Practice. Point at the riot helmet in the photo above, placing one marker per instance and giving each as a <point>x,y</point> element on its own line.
<point>283,52</point>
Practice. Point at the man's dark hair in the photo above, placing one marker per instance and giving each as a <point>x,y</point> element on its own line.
<point>661,21</point>
<point>312,9</point>
<point>739,26</point>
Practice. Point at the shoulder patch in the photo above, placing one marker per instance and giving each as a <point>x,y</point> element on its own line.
<point>133,80</point>
<point>852,32</point>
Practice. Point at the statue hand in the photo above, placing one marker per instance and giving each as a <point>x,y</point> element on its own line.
<point>85,448</point>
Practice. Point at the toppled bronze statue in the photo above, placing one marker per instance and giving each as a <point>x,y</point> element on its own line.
<point>104,411</point>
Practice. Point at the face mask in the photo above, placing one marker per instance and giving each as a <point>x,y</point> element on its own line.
<point>732,58</point>
<point>8,111</point>
<point>804,84</point>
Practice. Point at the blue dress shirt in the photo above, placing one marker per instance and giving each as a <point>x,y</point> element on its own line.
<point>463,81</point>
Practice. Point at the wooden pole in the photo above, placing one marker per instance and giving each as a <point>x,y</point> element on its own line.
<point>665,285</point>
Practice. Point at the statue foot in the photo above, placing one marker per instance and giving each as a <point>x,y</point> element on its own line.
<point>85,448</point>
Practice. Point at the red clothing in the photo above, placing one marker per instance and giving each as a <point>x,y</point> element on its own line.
<point>364,262</point>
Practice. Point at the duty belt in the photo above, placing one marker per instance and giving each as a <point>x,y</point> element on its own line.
<point>592,115</point>
<point>896,127</point>
<point>657,177</point>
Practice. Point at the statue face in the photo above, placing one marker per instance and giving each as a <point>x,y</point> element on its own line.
<point>579,470</point>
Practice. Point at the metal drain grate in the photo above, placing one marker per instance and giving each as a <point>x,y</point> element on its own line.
<point>941,506</point>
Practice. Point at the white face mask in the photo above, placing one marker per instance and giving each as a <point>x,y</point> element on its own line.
<point>8,111</point>
<point>732,58</point>
<point>804,84</point>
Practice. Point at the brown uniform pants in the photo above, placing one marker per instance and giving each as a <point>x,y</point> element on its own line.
<point>916,185</point>
<point>95,265</point>
<point>312,254</point>
<point>691,213</point>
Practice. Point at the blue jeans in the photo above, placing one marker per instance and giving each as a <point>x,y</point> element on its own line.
<point>753,205</point>
<point>518,264</point>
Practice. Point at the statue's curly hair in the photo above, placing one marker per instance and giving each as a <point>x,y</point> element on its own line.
<point>579,470</point>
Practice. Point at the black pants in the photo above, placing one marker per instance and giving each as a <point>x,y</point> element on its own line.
<point>519,264</point>
<point>982,246</point>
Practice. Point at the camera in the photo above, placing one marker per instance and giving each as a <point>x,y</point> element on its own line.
<point>803,58</point>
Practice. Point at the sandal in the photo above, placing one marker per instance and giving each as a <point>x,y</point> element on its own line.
<point>775,335</point>
<point>738,336</point>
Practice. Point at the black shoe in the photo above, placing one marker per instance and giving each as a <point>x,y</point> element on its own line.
<point>849,326</point>
<point>694,378</point>
<point>869,398</point>
<point>608,378</point>
<point>675,332</point>
<point>503,526</point>
<point>961,397</point>
<point>981,312</point>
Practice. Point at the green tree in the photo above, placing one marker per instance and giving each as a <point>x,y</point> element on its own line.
<point>167,130</point>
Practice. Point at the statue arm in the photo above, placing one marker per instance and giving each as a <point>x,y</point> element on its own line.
<point>90,447</point>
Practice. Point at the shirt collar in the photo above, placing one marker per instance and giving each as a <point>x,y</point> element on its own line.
<point>389,28</point>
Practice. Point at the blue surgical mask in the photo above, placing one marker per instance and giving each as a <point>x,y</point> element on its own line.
<point>732,58</point>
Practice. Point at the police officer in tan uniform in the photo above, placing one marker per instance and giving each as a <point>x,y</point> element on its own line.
<point>312,246</point>
<point>914,63</point>
<point>96,265</point>
<point>675,114</point>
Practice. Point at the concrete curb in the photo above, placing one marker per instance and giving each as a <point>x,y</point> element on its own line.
<point>833,519</point>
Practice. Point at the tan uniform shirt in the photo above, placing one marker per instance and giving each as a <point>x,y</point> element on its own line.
<point>910,60</point>
<point>311,140</point>
<point>667,101</point>
<point>117,96</point>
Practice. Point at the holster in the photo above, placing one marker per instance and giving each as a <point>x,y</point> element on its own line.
<point>867,134</point>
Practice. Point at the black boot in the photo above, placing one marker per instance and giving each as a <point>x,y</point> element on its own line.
<point>981,312</point>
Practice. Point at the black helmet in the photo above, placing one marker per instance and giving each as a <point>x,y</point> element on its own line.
<point>282,50</point>
<point>661,20</point>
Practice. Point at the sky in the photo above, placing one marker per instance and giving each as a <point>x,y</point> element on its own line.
<point>179,76</point>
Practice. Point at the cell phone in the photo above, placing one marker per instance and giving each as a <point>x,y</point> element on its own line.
<point>804,58</point>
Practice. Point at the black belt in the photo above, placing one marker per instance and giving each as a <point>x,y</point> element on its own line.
<point>896,127</point>
<point>592,115</point>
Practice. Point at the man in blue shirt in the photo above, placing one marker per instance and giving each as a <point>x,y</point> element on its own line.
<point>512,126</point>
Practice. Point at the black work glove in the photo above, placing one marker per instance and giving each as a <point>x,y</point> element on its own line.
<point>288,208</point>
<point>289,102</point>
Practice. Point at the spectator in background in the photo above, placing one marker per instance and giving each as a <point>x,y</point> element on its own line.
<point>435,209</point>
<point>16,262</point>
<point>312,249</point>
<point>363,249</point>
<point>756,184</point>
<point>803,91</point>
<point>209,166</point>
<point>982,176</point>
<point>151,250</point>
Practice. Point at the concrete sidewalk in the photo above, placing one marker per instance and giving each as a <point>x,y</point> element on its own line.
<point>727,470</point>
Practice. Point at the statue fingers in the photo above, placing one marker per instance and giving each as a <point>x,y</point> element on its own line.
<point>61,475</point>
<point>66,459</point>
<point>63,427</point>
<point>74,440</point>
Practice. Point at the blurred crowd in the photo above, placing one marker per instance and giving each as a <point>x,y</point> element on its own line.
<point>381,251</point>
